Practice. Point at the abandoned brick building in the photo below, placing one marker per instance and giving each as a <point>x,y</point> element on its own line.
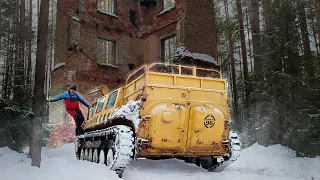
<point>98,42</point>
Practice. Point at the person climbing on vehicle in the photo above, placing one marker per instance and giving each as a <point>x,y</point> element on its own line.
<point>71,101</point>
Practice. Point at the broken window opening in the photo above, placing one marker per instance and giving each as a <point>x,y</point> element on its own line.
<point>106,52</point>
<point>107,6</point>
<point>132,17</point>
<point>168,46</point>
<point>148,3</point>
<point>168,4</point>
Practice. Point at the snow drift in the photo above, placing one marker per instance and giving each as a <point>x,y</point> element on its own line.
<point>256,162</point>
<point>56,164</point>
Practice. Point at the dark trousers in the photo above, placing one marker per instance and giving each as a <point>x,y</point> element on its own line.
<point>79,120</point>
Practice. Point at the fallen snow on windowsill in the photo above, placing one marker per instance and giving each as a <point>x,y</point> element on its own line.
<point>106,13</point>
<point>166,10</point>
<point>108,65</point>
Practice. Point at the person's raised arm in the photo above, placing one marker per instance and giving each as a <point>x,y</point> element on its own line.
<point>59,97</point>
<point>82,100</point>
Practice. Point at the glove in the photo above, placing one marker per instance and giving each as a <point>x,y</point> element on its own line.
<point>49,100</point>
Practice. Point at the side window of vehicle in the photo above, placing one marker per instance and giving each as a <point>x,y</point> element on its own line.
<point>112,100</point>
<point>92,109</point>
<point>100,104</point>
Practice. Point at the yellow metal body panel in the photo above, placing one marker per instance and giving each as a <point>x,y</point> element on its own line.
<point>185,115</point>
<point>167,127</point>
<point>206,125</point>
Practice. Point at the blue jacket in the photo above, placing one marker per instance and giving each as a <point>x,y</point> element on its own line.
<point>67,95</point>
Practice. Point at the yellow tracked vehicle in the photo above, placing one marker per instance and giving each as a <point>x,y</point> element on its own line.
<point>163,111</point>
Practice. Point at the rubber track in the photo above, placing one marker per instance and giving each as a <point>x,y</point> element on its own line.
<point>235,147</point>
<point>124,144</point>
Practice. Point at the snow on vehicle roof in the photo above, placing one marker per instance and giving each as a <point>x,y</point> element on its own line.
<point>183,52</point>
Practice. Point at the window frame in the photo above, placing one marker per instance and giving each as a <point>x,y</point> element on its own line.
<point>115,99</point>
<point>105,11</point>
<point>98,109</point>
<point>101,61</point>
<point>93,110</point>
<point>163,47</point>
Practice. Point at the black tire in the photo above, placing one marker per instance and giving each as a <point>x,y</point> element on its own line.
<point>206,162</point>
<point>198,162</point>
<point>188,160</point>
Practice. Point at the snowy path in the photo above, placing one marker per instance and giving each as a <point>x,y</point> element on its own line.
<point>255,163</point>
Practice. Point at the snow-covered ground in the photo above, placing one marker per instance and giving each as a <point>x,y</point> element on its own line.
<point>256,162</point>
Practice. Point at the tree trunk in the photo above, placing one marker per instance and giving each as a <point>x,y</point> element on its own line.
<point>315,38</point>
<point>231,57</point>
<point>29,69</point>
<point>316,14</point>
<point>266,14</point>
<point>0,12</point>
<point>244,55</point>
<point>308,60</point>
<point>7,69</point>
<point>19,78</point>
<point>261,134</point>
<point>249,40</point>
<point>38,105</point>
<point>22,41</point>
<point>257,47</point>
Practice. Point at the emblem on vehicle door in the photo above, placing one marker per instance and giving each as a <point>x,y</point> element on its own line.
<point>209,121</point>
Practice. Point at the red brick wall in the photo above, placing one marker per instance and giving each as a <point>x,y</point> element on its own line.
<point>62,134</point>
<point>198,27</point>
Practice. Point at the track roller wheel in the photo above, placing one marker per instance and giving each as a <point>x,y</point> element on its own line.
<point>95,156</point>
<point>82,154</point>
<point>89,155</point>
<point>110,157</point>
<point>86,154</point>
<point>102,157</point>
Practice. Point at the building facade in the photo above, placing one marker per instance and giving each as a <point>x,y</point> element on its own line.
<point>99,42</point>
